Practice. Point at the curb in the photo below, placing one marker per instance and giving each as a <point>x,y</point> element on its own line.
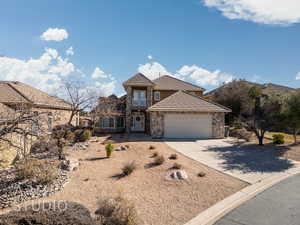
<point>217,211</point>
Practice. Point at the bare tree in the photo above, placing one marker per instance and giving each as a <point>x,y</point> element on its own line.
<point>80,97</point>
<point>20,127</point>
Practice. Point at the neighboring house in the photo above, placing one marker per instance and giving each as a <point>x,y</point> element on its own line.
<point>167,107</point>
<point>17,96</point>
<point>109,114</point>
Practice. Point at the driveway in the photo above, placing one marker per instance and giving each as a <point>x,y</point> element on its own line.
<point>249,163</point>
<point>278,205</point>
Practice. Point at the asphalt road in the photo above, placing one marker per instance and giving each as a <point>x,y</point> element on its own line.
<point>279,205</point>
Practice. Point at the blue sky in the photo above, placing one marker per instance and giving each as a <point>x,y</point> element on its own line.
<point>206,42</point>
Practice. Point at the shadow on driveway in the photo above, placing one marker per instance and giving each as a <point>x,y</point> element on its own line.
<point>253,158</point>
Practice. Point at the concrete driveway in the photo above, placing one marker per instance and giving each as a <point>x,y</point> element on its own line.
<point>251,164</point>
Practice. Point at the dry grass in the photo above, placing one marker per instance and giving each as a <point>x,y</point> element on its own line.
<point>157,200</point>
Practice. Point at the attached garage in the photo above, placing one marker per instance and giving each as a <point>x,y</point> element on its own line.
<point>184,115</point>
<point>187,125</point>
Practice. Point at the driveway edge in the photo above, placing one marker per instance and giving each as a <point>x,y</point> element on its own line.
<point>217,211</point>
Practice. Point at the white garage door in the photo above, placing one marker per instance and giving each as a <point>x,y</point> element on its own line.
<point>188,126</point>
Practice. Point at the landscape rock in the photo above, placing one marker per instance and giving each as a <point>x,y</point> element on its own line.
<point>13,191</point>
<point>70,164</point>
<point>177,175</point>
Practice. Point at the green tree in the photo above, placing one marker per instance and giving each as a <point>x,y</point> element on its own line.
<point>266,113</point>
<point>234,96</point>
<point>292,114</point>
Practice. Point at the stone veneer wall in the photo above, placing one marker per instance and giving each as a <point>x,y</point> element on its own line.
<point>218,125</point>
<point>128,109</point>
<point>157,124</point>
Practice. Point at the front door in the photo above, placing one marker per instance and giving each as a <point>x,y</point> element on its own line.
<point>138,122</point>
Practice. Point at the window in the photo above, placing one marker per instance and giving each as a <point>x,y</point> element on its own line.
<point>120,122</point>
<point>108,123</point>
<point>139,98</point>
<point>50,120</point>
<point>157,96</point>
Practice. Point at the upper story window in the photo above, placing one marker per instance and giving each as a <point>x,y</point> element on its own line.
<point>157,96</point>
<point>139,98</point>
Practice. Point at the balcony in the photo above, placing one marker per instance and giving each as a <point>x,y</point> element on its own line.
<point>139,102</point>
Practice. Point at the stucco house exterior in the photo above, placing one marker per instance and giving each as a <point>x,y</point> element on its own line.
<point>166,107</point>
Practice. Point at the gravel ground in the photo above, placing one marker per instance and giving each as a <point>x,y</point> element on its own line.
<point>158,201</point>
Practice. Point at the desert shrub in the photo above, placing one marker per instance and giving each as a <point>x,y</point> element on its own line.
<point>241,134</point>
<point>56,134</point>
<point>70,136</point>
<point>40,171</point>
<point>151,147</point>
<point>86,135</point>
<point>82,135</point>
<point>278,139</point>
<point>109,147</point>
<point>155,154</point>
<point>173,156</point>
<point>117,211</point>
<point>176,166</point>
<point>159,160</point>
<point>44,145</point>
<point>54,213</point>
<point>238,124</point>
<point>201,174</point>
<point>128,168</point>
<point>78,133</point>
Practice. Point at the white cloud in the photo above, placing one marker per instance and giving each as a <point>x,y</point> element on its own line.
<point>278,12</point>
<point>54,34</point>
<point>33,71</point>
<point>204,77</point>
<point>150,57</point>
<point>153,70</point>
<point>63,67</point>
<point>298,76</point>
<point>98,73</point>
<point>70,51</point>
<point>105,88</point>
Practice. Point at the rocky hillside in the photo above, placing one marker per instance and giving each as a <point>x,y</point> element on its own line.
<point>269,89</point>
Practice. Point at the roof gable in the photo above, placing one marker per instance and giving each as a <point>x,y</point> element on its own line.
<point>9,94</point>
<point>183,101</point>
<point>18,92</point>
<point>167,82</point>
<point>138,80</point>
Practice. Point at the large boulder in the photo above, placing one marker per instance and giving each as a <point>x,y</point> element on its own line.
<point>177,175</point>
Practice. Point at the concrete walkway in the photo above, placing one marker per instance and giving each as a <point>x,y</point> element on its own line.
<point>248,163</point>
<point>279,204</point>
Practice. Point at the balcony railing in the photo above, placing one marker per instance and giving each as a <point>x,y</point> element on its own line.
<point>139,102</point>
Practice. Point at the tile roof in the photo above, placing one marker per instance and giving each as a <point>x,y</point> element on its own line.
<point>184,102</point>
<point>18,92</point>
<point>171,83</point>
<point>138,80</point>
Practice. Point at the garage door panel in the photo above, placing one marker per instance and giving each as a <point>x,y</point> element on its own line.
<point>188,126</point>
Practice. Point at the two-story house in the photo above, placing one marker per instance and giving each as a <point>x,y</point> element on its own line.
<point>171,108</point>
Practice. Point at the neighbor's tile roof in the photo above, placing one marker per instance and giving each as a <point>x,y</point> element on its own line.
<point>138,80</point>
<point>18,92</point>
<point>182,101</point>
<point>171,83</point>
